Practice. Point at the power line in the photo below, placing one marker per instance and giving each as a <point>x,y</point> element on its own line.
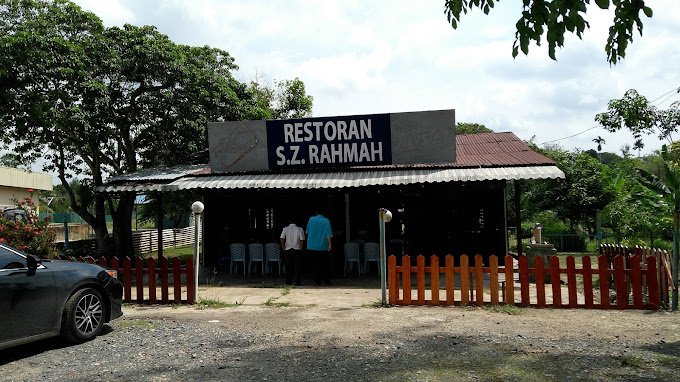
<point>571,136</point>
<point>676,90</point>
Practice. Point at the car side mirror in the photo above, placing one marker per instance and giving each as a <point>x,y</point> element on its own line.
<point>32,264</point>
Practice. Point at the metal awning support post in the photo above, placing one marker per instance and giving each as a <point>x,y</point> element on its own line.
<point>197,208</point>
<point>384,216</point>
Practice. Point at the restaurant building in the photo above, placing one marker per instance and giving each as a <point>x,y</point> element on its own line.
<point>447,193</point>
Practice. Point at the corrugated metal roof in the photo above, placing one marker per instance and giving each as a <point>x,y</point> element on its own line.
<point>487,156</point>
<point>364,178</point>
<point>161,173</point>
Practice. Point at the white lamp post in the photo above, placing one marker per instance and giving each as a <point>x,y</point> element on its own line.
<point>384,216</point>
<point>197,208</point>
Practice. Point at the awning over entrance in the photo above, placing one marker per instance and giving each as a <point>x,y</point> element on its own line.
<point>362,179</point>
<point>481,157</point>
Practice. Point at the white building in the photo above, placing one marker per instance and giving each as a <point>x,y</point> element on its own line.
<point>17,184</point>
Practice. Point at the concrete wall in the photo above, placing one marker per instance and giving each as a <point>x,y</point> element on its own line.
<point>18,184</point>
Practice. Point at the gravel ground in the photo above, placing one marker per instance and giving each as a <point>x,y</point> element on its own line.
<point>361,343</point>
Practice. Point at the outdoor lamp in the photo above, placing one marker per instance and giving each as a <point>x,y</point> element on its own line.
<point>197,207</point>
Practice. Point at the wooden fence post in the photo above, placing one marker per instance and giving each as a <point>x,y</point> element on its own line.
<point>464,280</point>
<point>652,282</point>
<point>539,270</point>
<point>555,280</point>
<point>493,279</point>
<point>420,279</point>
<point>524,280</point>
<point>434,279</point>
<point>479,280</point>
<point>571,282</point>
<point>587,281</point>
<point>509,280</point>
<point>406,279</point>
<point>392,283</point>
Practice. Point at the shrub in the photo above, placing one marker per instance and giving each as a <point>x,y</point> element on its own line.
<point>29,235</point>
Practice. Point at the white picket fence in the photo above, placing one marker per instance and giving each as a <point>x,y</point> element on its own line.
<point>147,241</point>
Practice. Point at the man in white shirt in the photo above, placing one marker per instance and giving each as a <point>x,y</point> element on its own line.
<point>293,242</point>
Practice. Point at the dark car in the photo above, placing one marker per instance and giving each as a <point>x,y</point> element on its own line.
<point>46,298</point>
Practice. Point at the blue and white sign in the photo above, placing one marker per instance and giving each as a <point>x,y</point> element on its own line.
<point>329,142</point>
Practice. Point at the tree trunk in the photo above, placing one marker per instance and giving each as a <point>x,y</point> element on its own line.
<point>122,226</point>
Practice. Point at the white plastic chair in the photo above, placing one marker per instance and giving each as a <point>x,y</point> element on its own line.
<point>238,254</point>
<point>352,256</point>
<point>371,254</point>
<point>255,254</point>
<point>273,254</point>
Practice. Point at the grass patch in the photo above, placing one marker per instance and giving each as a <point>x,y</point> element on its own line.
<point>286,290</point>
<point>375,304</point>
<point>630,361</point>
<point>668,360</point>
<point>271,286</point>
<point>209,303</point>
<point>140,324</point>
<point>184,252</point>
<point>507,309</point>
<point>272,302</point>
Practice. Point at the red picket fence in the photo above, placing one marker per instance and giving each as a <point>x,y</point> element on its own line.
<point>151,280</point>
<point>464,285</point>
<point>663,264</point>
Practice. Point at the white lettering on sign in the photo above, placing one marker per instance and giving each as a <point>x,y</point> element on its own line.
<point>345,153</point>
<point>332,131</point>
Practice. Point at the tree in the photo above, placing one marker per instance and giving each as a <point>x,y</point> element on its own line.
<point>586,189</point>
<point>10,160</point>
<point>553,18</point>
<point>669,192</point>
<point>600,141</point>
<point>285,100</point>
<point>636,114</point>
<point>98,102</point>
<point>471,128</point>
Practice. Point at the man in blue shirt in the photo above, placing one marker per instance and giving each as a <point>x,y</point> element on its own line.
<point>319,245</point>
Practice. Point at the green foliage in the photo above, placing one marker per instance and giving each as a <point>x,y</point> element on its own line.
<point>31,235</point>
<point>176,206</point>
<point>548,219</point>
<point>586,189</point>
<point>551,19</point>
<point>100,102</point>
<point>636,114</point>
<point>287,99</point>
<point>471,128</point>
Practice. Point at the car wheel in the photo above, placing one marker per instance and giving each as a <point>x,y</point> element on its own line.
<point>83,316</point>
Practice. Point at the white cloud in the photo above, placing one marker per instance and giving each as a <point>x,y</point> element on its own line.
<point>400,55</point>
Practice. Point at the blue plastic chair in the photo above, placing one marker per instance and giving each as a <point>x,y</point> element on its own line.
<point>255,254</point>
<point>371,254</point>
<point>273,254</point>
<point>238,254</point>
<point>352,256</point>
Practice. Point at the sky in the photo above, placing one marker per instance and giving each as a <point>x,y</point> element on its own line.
<point>388,56</point>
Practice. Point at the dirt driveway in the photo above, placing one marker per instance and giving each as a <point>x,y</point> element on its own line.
<point>338,334</point>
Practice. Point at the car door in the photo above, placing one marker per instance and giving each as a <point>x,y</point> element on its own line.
<point>27,298</point>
